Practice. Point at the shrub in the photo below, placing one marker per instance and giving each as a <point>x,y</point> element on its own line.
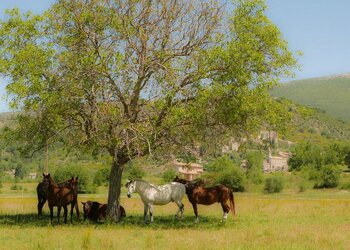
<point>101,177</point>
<point>224,171</point>
<point>169,175</point>
<point>135,172</point>
<point>273,184</point>
<point>16,187</point>
<point>255,163</point>
<point>328,177</point>
<point>62,174</point>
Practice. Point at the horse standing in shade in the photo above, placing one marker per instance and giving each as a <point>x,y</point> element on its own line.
<point>197,194</point>
<point>157,195</point>
<point>62,196</point>
<point>42,190</point>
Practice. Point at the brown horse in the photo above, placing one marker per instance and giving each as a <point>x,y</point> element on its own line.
<point>95,211</point>
<point>62,196</point>
<point>42,190</point>
<point>197,194</point>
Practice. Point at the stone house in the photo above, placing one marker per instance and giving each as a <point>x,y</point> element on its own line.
<point>276,163</point>
<point>188,171</point>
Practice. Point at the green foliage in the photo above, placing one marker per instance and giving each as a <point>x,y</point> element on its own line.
<point>101,176</point>
<point>254,170</point>
<point>223,171</point>
<point>309,154</point>
<point>347,159</point>
<point>21,171</point>
<point>64,173</point>
<point>274,184</point>
<point>327,177</point>
<point>169,175</point>
<point>134,171</point>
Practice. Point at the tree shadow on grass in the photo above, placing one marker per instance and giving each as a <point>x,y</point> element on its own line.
<point>160,222</point>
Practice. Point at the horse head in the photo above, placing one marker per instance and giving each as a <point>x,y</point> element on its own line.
<point>130,185</point>
<point>183,181</point>
<point>47,180</point>
<point>73,184</point>
<point>86,208</point>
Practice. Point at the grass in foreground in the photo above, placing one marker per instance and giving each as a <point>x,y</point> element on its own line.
<point>314,220</point>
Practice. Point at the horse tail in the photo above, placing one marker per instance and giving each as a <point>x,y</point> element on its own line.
<point>232,203</point>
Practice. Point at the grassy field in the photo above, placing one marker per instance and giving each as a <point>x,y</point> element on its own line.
<point>309,220</point>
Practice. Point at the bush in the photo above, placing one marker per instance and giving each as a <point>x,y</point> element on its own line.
<point>135,172</point>
<point>224,171</point>
<point>16,187</point>
<point>255,163</point>
<point>169,175</point>
<point>63,174</point>
<point>21,171</point>
<point>328,177</point>
<point>101,177</point>
<point>273,184</point>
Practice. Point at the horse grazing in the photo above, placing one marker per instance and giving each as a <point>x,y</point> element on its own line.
<point>197,194</point>
<point>157,195</point>
<point>95,211</point>
<point>62,196</point>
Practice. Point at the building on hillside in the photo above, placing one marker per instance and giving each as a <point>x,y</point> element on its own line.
<point>276,163</point>
<point>270,136</point>
<point>233,145</point>
<point>188,171</point>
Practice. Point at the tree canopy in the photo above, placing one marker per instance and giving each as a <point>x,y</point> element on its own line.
<point>134,76</point>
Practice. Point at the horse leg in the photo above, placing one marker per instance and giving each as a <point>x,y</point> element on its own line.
<point>71,212</point>
<point>194,205</point>
<point>151,213</point>
<point>181,210</point>
<point>145,211</point>
<point>226,209</point>
<point>77,210</point>
<point>51,213</point>
<point>40,206</point>
<point>58,214</point>
<point>65,214</point>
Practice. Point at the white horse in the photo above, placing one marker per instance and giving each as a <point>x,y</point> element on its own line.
<point>157,195</point>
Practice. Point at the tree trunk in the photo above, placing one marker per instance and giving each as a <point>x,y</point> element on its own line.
<point>115,180</point>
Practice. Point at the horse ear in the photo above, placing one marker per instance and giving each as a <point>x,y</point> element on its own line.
<point>76,178</point>
<point>83,203</point>
<point>44,174</point>
<point>48,175</point>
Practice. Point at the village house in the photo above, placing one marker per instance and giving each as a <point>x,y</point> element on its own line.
<point>188,171</point>
<point>276,163</point>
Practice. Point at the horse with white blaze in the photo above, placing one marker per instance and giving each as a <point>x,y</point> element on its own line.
<point>157,195</point>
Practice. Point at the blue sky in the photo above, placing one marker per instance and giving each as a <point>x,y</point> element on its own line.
<point>318,28</point>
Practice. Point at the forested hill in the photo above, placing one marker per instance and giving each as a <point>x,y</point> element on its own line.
<point>331,94</point>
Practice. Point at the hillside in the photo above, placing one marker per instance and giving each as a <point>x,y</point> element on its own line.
<point>331,94</point>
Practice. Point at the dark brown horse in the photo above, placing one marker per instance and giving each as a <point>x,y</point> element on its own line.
<point>62,196</point>
<point>198,194</point>
<point>95,211</point>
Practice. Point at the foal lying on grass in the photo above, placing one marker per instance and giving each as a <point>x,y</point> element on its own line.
<point>95,211</point>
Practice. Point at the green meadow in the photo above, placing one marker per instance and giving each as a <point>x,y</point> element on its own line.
<point>315,219</point>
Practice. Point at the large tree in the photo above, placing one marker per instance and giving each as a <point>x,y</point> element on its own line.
<point>134,76</point>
